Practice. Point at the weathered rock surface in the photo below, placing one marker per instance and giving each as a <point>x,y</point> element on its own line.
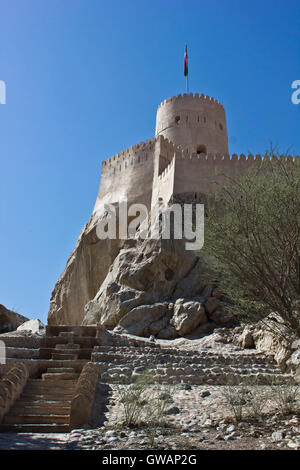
<point>145,320</point>
<point>187,316</point>
<point>155,287</point>
<point>35,327</point>
<point>85,271</point>
<point>9,320</point>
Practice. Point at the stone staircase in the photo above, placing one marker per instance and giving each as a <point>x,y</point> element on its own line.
<point>172,366</point>
<point>45,404</point>
<point>43,407</point>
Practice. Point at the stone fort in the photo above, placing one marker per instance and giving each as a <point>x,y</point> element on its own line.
<point>188,155</point>
<point>184,162</point>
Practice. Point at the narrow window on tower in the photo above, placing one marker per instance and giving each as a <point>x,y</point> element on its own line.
<point>201,149</point>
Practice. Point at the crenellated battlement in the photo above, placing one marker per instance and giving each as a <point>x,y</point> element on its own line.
<point>189,154</point>
<point>234,157</point>
<point>130,151</point>
<point>167,170</point>
<point>193,122</point>
<point>192,97</point>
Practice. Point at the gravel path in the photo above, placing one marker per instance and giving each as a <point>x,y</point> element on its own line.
<point>29,441</point>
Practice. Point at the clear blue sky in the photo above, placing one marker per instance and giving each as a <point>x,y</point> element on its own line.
<point>84,78</point>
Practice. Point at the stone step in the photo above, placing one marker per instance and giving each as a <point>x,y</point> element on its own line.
<point>207,377</point>
<point>64,357</point>
<point>60,384</point>
<point>66,334</point>
<point>134,351</point>
<point>66,396</point>
<point>60,376</point>
<point>84,342</point>
<point>180,369</point>
<point>77,364</point>
<point>67,347</point>
<point>36,419</point>
<point>41,409</point>
<point>22,353</point>
<point>35,403</point>
<point>60,369</point>
<point>49,390</point>
<point>117,356</point>
<point>66,353</point>
<point>35,428</point>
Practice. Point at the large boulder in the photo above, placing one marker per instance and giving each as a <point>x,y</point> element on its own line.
<point>134,286</point>
<point>35,327</point>
<point>145,320</point>
<point>269,336</point>
<point>293,362</point>
<point>145,272</point>
<point>187,316</point>
<point>10,320</point>
<point>246,340</point>
<point>155,287</point>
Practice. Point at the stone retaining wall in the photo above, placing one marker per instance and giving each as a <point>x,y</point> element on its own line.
<point>82,403</point>
<point>11,387</point>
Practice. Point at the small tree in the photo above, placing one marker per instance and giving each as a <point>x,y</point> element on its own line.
<point>252,239</point>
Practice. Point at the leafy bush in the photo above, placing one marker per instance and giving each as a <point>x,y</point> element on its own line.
<point>252,239</point>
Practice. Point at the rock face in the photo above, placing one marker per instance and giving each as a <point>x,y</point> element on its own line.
<point>86,269</point>
<point>142,287</point>
<point>155,287</point>
<point>9,320</point>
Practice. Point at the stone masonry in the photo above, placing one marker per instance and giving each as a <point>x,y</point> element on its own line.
<point>69,363</point>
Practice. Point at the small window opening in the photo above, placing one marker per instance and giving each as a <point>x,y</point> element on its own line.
<point>201,149</point>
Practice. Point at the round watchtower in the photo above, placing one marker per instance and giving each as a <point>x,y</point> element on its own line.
<point>195,122</point>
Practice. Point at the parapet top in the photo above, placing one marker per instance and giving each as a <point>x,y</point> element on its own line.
<point>192,96</point>
<point>130,150</point>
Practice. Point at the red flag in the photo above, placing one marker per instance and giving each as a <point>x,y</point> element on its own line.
<point>186,71</point>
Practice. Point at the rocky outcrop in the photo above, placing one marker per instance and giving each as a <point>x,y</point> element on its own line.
<point>35,327</point>
<point>85,271</point>
<point>155,287</point>
<point>9,320</point>
<point>270,337</point>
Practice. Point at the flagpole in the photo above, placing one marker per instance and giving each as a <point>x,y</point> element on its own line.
<point>187,84</point>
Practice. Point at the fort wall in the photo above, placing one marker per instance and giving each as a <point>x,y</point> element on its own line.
<point>185,156</point>
<point>203,173</point>
<point>128,176</point>
<point>164,187</point>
